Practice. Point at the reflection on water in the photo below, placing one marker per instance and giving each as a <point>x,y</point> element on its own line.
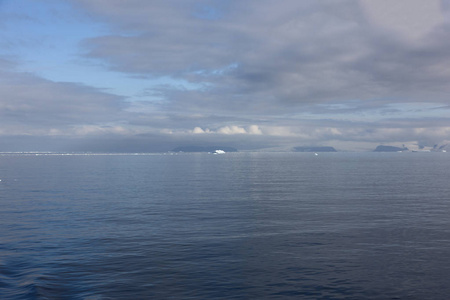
<point>241,225</point>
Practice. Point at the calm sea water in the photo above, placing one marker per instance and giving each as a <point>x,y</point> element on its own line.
<point>233,226</point>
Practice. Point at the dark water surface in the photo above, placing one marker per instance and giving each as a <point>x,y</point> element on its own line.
<point>233,226</point>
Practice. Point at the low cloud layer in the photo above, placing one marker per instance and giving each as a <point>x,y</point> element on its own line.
<point>253,74</point>
<point>32,105</point>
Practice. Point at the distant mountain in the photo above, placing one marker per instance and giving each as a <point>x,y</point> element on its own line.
<point>314,149</point>
<point>203,149</point>
<point>382,148</point>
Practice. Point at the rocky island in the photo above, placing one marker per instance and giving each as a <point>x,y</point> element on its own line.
<point>382,148</point>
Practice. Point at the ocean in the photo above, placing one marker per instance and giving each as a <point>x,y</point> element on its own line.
<point>230,226</point>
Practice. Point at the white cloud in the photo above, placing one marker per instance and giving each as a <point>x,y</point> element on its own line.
<point>254,129</point>
<point>230,130</point>
<point>198,130</point>
<point>280,131</point>
<point>99,130</point>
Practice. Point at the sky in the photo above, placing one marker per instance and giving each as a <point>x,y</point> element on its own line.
<point>146,76</point>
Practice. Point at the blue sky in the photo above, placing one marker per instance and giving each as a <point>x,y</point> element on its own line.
<point>152,75</point>
<point>46,38</point>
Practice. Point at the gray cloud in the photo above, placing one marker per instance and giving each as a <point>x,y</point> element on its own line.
<point>270,55</point>
<point>33,105</point>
